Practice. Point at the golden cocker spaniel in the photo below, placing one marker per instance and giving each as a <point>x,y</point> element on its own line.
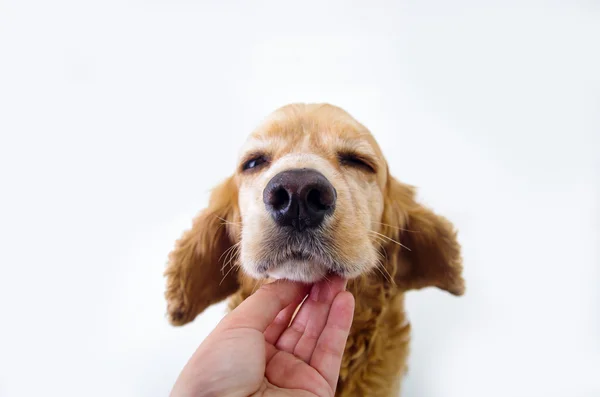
<point>313,196</point>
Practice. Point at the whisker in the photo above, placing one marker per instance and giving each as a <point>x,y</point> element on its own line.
<point>379,240</point>
<point>228,222</point>
<point>381,246</point>
<point>385,255</point>
<point>390,239</point>
<point>382,265</point>
<point>380,272</point>
<point>387,274</point>
<point>230,262</point>
<point>396,227</point>
<point>228,271</point>
<point>226,254</point>
<point>235,252</point>
<point>232,253</point>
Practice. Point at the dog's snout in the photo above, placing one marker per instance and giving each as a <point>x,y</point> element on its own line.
<point>301,198</point>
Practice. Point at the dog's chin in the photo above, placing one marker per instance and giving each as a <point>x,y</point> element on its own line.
<point>295,267</point>
<point>305,271</point>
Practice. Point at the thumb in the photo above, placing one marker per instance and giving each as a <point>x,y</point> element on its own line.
<point>260,309</point>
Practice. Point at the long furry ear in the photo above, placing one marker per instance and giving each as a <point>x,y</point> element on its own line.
<point>196,273</point>
<point>429,254</point>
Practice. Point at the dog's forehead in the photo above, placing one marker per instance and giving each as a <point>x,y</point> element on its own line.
<point>311,128</point>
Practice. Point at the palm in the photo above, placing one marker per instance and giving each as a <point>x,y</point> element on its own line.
<point>285,371</point>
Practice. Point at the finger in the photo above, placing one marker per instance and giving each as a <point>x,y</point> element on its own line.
<point>281,322</point>
<point>260,309</point>
<point>316,306</point>
<point>304,332</point>
<point>327,356</point>
<point>324,294</point>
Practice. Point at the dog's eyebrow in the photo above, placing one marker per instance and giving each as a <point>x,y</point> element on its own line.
<point>356,146</point>
<point>255,145</point>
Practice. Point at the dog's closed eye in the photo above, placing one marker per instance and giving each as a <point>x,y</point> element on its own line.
<point>356,160</point>
<point>254,162</point>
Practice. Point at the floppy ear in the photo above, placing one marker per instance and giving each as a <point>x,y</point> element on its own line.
<point>198,273</point>
<point>429,254</point>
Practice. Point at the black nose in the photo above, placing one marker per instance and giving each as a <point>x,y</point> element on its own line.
<point>300,198</point>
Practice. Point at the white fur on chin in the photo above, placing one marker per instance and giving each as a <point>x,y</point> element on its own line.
<point>302,271</point>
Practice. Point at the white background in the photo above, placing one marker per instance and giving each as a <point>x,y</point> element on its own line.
<point>117,117</point>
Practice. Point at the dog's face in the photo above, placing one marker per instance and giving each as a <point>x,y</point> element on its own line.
<point>311,196</point>
<point>311,199</point>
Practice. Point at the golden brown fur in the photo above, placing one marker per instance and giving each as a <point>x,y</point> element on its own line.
<point>415,248</point>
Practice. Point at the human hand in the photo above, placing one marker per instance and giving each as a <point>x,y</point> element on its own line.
<point>253,352</point>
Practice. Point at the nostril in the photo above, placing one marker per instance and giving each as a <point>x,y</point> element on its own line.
<point>314,199</point>
<point>319,200</point>
<point>279,199</point>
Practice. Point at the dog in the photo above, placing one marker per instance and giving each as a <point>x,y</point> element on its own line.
<point>313,196</point>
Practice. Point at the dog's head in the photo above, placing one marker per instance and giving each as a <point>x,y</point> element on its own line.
<point>311,186</point>
<point>311,196</point>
